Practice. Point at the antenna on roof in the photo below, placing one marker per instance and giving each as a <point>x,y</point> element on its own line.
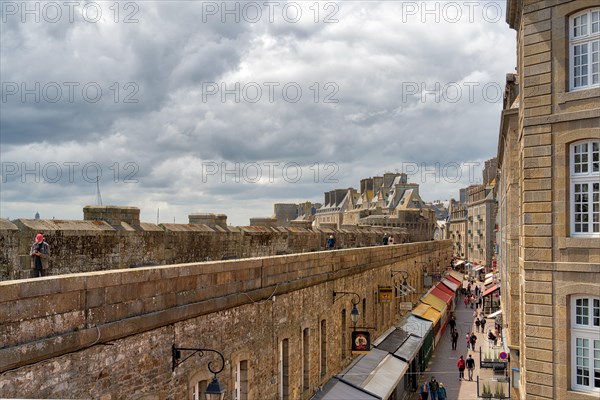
<point>98,195</point>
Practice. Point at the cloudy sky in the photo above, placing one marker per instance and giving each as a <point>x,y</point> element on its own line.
<point>229,107</point>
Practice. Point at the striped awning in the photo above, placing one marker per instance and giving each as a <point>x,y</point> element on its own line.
<point>491,290</point>
<point>450,284</point>
<point>420,309</point>
<point>441,294</point>
<point>457,275</point>
<point>478,268</point>
<point>432,315</point>
<point>435,302</point>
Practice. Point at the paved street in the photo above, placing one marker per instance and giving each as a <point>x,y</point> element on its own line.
<point>443,364</point>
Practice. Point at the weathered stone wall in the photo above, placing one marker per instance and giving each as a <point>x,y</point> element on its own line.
<point>108,335</point>
<point>9,248</point>
<point>82,246</point>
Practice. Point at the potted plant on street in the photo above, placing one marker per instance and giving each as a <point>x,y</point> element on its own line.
<point>499,391</point>
<point>487,392</point>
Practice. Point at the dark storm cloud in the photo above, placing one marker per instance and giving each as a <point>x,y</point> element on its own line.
<point>390,79</point>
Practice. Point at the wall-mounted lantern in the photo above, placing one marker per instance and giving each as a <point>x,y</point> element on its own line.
<point>354,314</point>
<point>214,390</point>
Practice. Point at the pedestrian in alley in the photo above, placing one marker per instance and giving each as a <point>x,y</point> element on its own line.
<point>477,324</point>
<point>473,340</point>
<point>434,386</point>
<point>424,391</point>
<point>468,337</point>
<point>483,324</point>
<point>493,337</point>
<point>454,336</point>
<point>470,366</point>
<point>40,254</point>
<point>452,323</point>
<point>442,395</point>
<point>480,302</point>
<point>467,301</point>
<point>461,368</point>
<point>472,300</point>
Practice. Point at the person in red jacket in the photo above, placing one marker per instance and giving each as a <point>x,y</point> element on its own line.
<point>461,368</point>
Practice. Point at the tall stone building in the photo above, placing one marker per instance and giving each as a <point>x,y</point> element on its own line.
<point>549,200</point>
<point>481,209</point>
<point>457,227</point>
<point>336,203</point>
<point>388,201</point>
<point>481,218</point>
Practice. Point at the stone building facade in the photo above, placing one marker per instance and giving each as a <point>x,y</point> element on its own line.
<point>481,228</point>
<point>336,203</point>
<point>387,201</point>
<point>549,205</point>
<point>457,228</point>
<point>109,335</point>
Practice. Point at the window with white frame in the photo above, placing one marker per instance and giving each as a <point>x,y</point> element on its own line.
<point>198,390</point>
<point>241,380</point>
<point>584,59</point>
<point>585,343</point>
<point>585,188</point>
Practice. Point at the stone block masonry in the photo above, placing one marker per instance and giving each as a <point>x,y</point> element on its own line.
<point>113,237</point>
<point>108,334</point>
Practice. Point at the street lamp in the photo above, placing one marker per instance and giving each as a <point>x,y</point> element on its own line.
<point>354,314</point>
<point>214,390</point>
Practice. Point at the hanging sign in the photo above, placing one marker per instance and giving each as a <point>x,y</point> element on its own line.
<point>386,294</point>
<point>361,342</point>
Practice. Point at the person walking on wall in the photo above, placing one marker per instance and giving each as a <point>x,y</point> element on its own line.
<point>391,240</point>
<point>470,366</point>
<point>461,368</point>
<point>330,242</point>
<point>386,239</point>
<point>40,254</point>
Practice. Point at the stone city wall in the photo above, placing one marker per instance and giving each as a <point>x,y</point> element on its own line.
<point>113,238</point>
<point>108,335</point>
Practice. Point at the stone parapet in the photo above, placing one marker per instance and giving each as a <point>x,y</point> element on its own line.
<point>113,215</point>
<point>97,245</point>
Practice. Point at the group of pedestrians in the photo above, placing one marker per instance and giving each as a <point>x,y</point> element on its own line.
<point>468,364</point>
<point>480,324</point>
<point>473,295</point>
<point>433,390</point>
